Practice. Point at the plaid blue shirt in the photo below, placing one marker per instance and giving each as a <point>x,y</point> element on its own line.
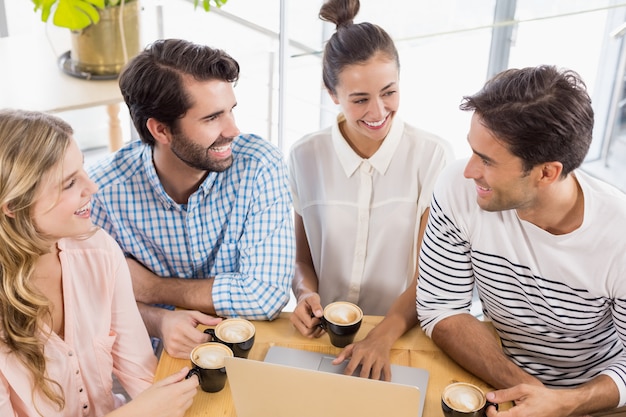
<point>236,227</point>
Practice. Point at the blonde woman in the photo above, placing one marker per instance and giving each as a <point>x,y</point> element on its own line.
<point>69,320</point>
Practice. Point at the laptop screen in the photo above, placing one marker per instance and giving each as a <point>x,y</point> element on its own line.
<point>268,389</point>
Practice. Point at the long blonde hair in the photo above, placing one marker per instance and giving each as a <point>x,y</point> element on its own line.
<point>31,145</point>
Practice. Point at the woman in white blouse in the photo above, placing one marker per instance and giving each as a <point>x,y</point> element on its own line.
<point>361,191</point>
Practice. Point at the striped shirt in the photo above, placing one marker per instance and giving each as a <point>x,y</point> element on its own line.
<point>558,302</point>
<point>236,227</point>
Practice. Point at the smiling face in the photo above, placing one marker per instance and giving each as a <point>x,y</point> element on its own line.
<point>63,209</point>
<point>203,137</point>
<point>368,95</point>
<point>501,182</point>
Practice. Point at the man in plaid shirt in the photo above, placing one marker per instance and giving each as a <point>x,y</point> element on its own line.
<point>202,212</point>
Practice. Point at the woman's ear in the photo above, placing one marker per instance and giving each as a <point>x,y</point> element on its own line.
<point>7,211</point>
<point>333,97</point>
<point>160,132</point>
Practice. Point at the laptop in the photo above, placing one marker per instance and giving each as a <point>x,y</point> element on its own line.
<point>289,384</point>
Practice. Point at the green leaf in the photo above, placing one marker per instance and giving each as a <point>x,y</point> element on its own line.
<point>71,14</point>
<point>45,6</point>
<point>75,14</point>
<point>206,4</point>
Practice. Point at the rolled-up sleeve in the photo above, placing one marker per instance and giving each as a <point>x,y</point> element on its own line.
<point>265,252</point>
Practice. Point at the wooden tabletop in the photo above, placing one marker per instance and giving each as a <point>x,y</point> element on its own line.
<point>412,349</point>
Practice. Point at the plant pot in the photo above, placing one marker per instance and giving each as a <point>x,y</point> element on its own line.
<point>104,48</point>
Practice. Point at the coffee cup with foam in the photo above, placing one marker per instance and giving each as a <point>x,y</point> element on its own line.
<point>236,333</point>
<point>207,361</point>
<point>342,320</point>
<point>461,399</point>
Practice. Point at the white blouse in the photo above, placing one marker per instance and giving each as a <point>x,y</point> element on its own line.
<point>362,216</point>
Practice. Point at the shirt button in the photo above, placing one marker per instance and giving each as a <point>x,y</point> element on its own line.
<point>80,390</point>
<point>85,406</point>
<point>77,372</point>
<point>196,255</point>
<point>70,354</point>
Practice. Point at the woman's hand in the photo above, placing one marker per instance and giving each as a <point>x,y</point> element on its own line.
<point>170,397</point>
<point>307,314</point>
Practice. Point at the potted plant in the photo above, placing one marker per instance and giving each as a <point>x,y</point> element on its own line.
<point>105,33</point>
<point>78,14</point>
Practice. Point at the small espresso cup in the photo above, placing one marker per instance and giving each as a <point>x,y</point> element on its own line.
<point>341,320</point>
<point>207,362</point>
<point>238,334</point>
<point>462,399</point>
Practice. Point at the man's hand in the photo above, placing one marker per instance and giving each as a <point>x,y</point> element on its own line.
<point>179,333</point>
<point>600,394</point>
<point>373,356</point>
<point>530,400</point>
<point>306,316</point>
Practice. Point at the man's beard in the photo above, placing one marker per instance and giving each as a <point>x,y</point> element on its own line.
<point>199,157</point>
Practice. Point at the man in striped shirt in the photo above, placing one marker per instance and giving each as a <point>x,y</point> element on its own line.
<point>542,243</point>
<point>202,212</point>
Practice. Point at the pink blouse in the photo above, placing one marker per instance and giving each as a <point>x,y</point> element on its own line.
<point>104,335</point>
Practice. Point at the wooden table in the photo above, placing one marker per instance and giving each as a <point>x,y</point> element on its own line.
<point>412,349</point>
<point>31,80</point>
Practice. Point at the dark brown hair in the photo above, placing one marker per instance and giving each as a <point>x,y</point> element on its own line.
<point>152,82</point>
<point>542,114</point>
<point>351,43</point>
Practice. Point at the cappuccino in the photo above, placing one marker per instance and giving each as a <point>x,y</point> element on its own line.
<point>210,355</point>
<point>237,334</point>
<point>463,397</point>
<point>207,362</point>
<point>343,313</point>
<point>342,321</point>
<point>234,330</point>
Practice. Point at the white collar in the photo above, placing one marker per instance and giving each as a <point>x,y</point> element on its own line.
<point>381,159</point>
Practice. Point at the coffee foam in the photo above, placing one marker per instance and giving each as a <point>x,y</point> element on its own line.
<point>342,313</point>
<point>234,332</point>
<point>464,398</point>
<point>210,356</point>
